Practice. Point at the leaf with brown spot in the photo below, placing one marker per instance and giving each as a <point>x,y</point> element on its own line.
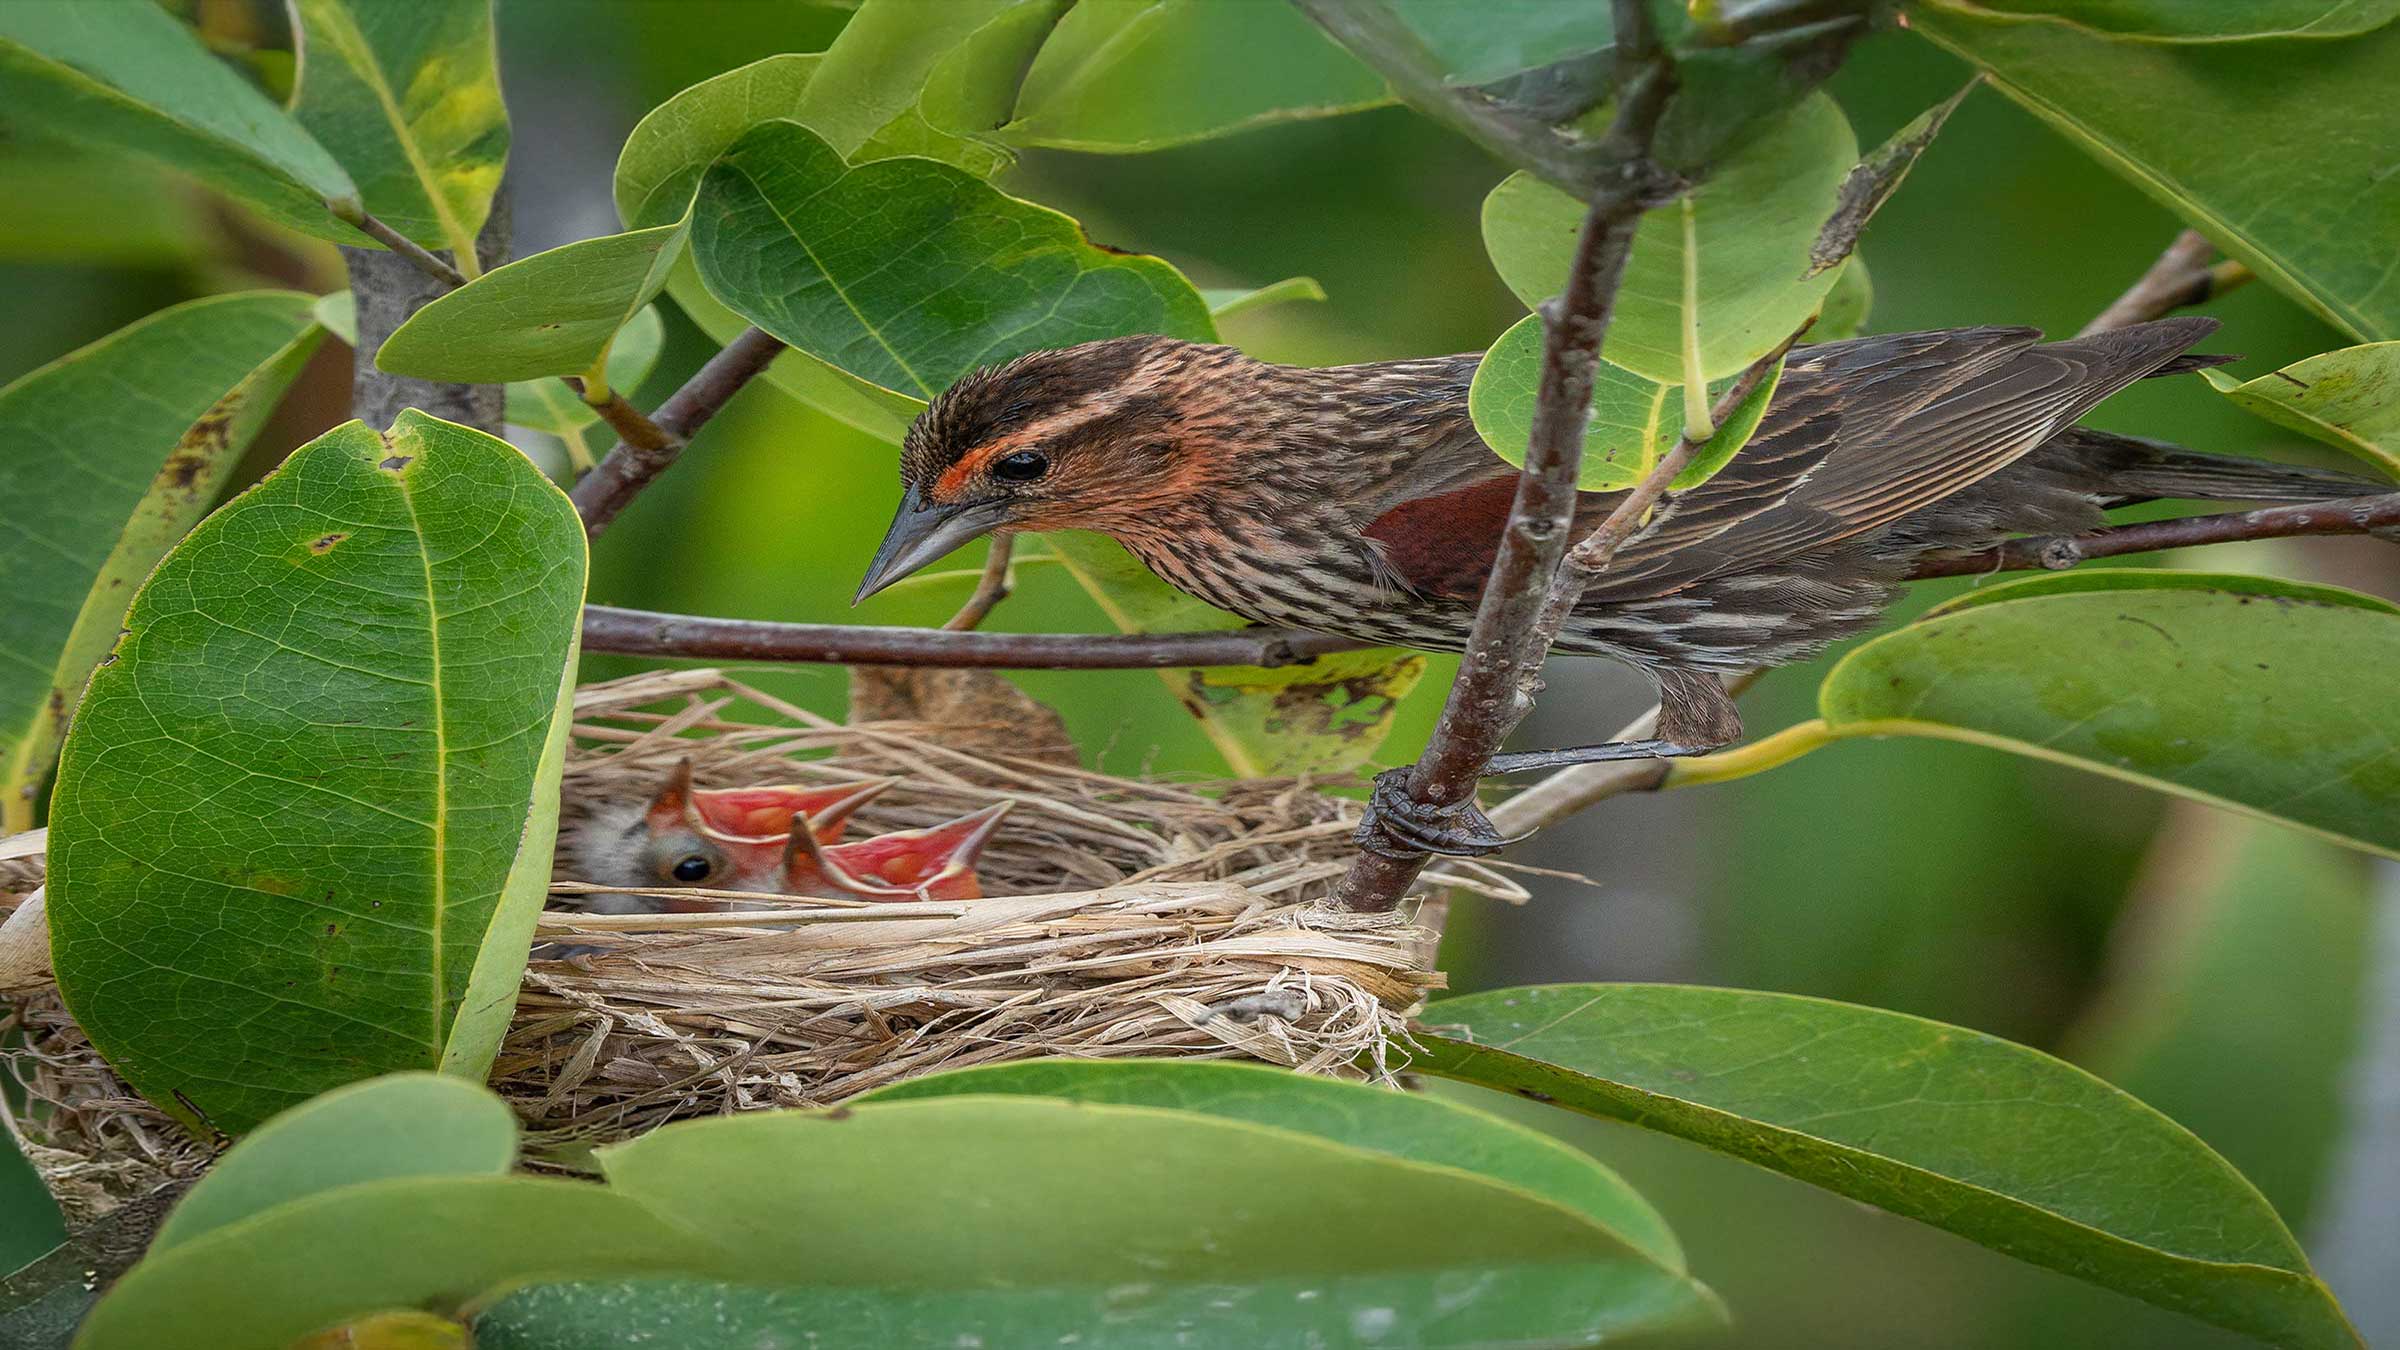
<point>96,486</point>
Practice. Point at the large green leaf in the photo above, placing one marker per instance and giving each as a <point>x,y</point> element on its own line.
<point>871,408</point>
<point>1403,1124</point>
<point>1124,75</point>
<point>1994,1142</point>
<point>910,273</point>
<point>407,97</point>
<point>969,91</point>
<point>1634,421</point>
<point>435,1243</point>
<point>102,210</point>
<point>399,1125</point>
<point>2260,695</point>
<point>871,80</point>
<point>130,77</point>
<point>2266,147</point>
<point>1754,221</point>
<point>2235,995</point>
<point>303,821</point>
<point>659,168</point>
<point>554,313</point>
<point>1326,716</point>
<point>2183,21</point>
<point>1061,1229</point>
<point>2349,398</point>
<point>109,455</point>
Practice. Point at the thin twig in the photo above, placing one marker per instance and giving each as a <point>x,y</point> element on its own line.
<point>2056,552</point>
<point>990,588</point>
<point>417,255</point>
<point>643,633</point>
<point>606,490</point>
<point>629,422</point>
<point>1505,648</point>
<point>2181,276</point>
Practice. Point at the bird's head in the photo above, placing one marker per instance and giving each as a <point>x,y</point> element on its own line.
<point>1106,436</point>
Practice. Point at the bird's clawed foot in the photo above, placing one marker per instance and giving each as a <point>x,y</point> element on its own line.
<point>1398,825</point>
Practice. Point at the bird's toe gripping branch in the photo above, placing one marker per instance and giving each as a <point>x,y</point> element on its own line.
<point>1397,825</point>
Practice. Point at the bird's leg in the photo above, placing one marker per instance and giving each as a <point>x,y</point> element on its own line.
<point>1398,825</point>
<point>1695,716</point>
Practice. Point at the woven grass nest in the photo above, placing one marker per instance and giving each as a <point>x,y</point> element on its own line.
<point>1124,917</point>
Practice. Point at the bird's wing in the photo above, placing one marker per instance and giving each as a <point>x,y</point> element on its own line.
<point>1861,433</point>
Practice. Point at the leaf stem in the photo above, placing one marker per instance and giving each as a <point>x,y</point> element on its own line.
<point>628,468</point>
<point>1698,421</point>
<point>1758,756</point>
<point>431,264</point>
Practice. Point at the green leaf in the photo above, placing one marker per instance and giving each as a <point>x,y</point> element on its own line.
<point>1999,1144</point>
<point>425,1242</point>
<point>2348,398</point>
<point>909,273</point>
<point>1634,421</point>
<point>304,819</point>
<point>2209,130</point>
<point>1844,313</point>
<point>554,313</point>
<point>1224,302</point>
<point>969,92</point>
<point>891,51</point>
<point>871,408</point>
<point>2235,995</point>
<point>1127,75</point>
<point>1403,1124</point>
<point>130,77</point>
<point>1480,43</point>
<point>550,406</point>
<point>2247,692</point>
<point>102,211</point>
<point>399,1125</point>
<point>2182,21</point>
<point>407,97</point>
<point>1326,716</point>
<point>659,168</point>
<point>1075,1201</point>
<point>112,454</point>
<point>1755,220</point>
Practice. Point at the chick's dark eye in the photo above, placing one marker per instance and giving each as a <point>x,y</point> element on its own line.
<point>692,867</point>
<point>1020,466</point>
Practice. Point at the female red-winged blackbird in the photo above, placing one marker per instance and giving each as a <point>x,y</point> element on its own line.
<point>1360,501</point>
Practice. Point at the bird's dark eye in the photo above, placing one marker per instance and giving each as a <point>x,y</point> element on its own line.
<point>1020,466</point>
<point>692,867</point>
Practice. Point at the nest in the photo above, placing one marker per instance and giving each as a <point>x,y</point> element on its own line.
<point>1126,917</point>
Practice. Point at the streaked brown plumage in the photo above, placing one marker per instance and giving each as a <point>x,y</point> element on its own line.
<point>1360,501</point>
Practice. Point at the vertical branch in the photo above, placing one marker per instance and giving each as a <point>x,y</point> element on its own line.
<point>1505,649</point>
<point>388,288</point>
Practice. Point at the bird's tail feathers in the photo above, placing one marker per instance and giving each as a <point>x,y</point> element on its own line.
<point>2136,469</point>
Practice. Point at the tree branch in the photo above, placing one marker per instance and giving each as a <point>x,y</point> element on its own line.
<point>636,632</point>
<point>1505,648</point>
<point>606,490</point>
<point>990,589</point>
<point>2182,276</point>
<point>389,287</point>
<point>410,251</point>
<point>2057,552</point>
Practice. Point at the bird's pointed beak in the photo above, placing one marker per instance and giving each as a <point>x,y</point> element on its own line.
<point>924,531</point>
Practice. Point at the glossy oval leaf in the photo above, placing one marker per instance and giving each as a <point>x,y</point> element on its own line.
<point>407,98</point>
<point>908,273</point>
<point>2183,21</point>
<point>549,405</point>
<point>554,313</point>
<point>1634,421</point>
<point>970,91</point>
<point>1996,1143</point>
<point>874,77</point>
<point>1064,1228</point>
<point>435,1243</point>
<point>1754,221</point>
<point>399,1125</point>
<point>1325,716</point>
<point>95,486</point>
<point>2207,129</point>
<point>303,821</point>
<point>130,77</point>
<point>1404,1124</point>
<point>659,168</point>
<point>1129,75</point>
<point>1225,301</point>
<point>881,413</point>
<point>2251,693</point>
<point>2348,398</point>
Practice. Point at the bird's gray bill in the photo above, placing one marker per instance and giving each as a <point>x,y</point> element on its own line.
<point>922,532</point>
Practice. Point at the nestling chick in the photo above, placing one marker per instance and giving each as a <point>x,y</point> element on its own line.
<point>724,839</point>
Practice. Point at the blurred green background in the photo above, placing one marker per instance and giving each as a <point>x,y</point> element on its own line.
<point>2210,965</point>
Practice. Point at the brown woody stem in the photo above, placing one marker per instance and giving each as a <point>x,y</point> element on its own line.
<point>990,588</point>
<point>606,490</point>
<point>643,633</point>
<point>2056,552</point>
<point>2183,275</point>
<point>418,256</point>
<point>1505,649</point>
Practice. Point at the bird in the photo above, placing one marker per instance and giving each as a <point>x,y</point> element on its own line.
<point>1360,500</point>
<point>779,839</point>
